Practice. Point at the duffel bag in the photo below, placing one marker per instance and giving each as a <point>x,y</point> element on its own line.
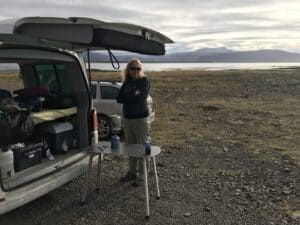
<point>15,126</point>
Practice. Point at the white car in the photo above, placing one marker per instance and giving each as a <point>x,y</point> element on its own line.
<point>104,94</point>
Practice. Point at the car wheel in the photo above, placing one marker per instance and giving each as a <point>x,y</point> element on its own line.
<point>104,127</point>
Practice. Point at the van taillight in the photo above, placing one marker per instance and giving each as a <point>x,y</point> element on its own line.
<point>2,199</point>
<point>95,120</point>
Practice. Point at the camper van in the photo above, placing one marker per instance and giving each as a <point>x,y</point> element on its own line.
<point>47,120</point>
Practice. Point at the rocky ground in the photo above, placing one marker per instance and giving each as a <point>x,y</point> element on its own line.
<point>230,155</point>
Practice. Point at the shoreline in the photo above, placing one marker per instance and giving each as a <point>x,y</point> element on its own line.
<point>161,67</point>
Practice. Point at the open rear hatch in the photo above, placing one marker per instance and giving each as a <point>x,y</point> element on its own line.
<point>78,34</point>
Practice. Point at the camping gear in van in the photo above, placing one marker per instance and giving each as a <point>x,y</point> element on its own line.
<point>32,97</point>
<point>5,94</point>
<point>26,156</point>
<point>32,92</point>
<point>48,115</point>
<point>59,136</point>
<point>6,163</point>
<point>18,126</point>
<point>59,102</point>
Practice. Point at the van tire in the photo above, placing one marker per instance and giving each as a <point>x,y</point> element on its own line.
<point>104,127</point>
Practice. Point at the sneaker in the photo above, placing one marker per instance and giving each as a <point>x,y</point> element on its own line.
<point>128,177</point>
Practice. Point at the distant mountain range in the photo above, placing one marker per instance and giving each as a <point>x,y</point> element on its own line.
<point>206,55</point>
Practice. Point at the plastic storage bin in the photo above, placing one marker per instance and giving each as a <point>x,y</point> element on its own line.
<point>27,156</point>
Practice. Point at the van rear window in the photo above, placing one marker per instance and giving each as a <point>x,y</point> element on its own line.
<point>54,77</point>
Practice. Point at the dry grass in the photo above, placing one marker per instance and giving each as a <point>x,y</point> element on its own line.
<point>258,108</point>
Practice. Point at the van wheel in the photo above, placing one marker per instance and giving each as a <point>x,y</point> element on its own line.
<point>104,127</point>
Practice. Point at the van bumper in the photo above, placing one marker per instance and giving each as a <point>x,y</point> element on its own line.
<point>28,193</point>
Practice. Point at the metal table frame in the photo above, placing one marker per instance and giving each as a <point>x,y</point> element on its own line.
<point>129,150</point>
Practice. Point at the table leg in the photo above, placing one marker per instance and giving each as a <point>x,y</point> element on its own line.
<point>99,171</point>
<point>156,178</point>
<point>86,182</point>
<point>146,187</point>
<point>149,166</point>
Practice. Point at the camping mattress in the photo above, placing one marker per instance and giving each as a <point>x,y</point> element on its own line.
<point>52,114</point>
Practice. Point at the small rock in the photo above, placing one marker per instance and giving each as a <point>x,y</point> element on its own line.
<point>196,165</point>
<point>286,192</point>
<point>223,173</point>
<point>245,188</point>
<point>225,149</point>
<point>169,152</point>
<point>287,170</point>
<point>250,197</point>
<point>207,209</point>
<point>229,205</point>
<point>188,214</point>
<point>160,164</point>
<point>216,195</point>
<point>211,108</point>
<point>277,199</point>
<point>243,202</point>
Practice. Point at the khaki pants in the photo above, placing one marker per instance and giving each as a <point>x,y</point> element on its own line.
<point>135,133</point>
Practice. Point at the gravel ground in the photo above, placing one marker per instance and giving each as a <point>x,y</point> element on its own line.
<point>198,186</point>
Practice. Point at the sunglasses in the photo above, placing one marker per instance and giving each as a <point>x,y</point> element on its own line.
<point>136,68</point>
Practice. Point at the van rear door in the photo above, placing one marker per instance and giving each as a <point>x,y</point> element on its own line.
<point>78,34</point>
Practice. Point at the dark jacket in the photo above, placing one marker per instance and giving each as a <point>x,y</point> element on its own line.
<point>134,106</point>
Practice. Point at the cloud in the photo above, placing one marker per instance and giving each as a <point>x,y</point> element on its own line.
<point>247,24</point>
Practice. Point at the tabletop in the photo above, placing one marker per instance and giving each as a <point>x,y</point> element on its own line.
<point>132,150</point>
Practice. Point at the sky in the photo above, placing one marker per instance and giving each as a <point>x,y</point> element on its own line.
<point>239,25</point>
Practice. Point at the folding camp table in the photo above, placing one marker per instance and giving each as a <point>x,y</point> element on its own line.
<point>128,150</point>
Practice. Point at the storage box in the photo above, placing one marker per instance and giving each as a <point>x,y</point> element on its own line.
<point>59,136</point>
<point>25,157</point>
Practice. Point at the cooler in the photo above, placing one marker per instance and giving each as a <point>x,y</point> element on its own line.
<point>59,136</point>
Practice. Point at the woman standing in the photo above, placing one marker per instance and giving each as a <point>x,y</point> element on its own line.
<point>133,95</point>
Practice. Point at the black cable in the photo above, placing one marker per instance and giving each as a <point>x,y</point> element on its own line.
<point>113,60</point>
<point>89,67</point>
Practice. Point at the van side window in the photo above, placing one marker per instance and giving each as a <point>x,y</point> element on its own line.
<point>54,77</point>
<point>109,92</point>
<point>94,91</point>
